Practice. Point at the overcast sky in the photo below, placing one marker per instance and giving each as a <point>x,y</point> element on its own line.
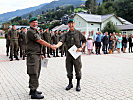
<point>12,5</point>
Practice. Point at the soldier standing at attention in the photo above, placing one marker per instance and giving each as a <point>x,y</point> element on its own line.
<point>34,43</point>
<point>13,37</point>
<point>20,40</point>
<point>55,40</point>
<point>23,37</point>
<point>7,41</point>
<point>47,38</point>
<point>43,47</point>
<point>73,37</point>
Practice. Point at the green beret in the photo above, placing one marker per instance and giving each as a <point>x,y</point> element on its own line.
<point>47,27</point>
<point>32,19</point>
<point>55,30</point>
<point>71,21</point>
<point>21,27</point>
<point>8,27</point>
<point>41,28</point>
<point>13,24</point>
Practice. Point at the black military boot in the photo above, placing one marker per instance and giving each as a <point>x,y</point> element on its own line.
<point>17,58</point>
<point>23,57</point>
<point>78,85</point>
<point>31,92</point>
<point>11,58</point>
<point>70,85</point>
<point>35,95</point>
<point>48,56</point>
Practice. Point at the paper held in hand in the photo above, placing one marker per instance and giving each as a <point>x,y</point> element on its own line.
<point>73,52</point>
<point>44,62</point>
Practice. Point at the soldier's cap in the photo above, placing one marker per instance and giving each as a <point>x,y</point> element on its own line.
<point>55,30</point>
<point>8,27</point>
<point>47,27</point>
<point>17,28</point>
<point>25,27</point>
<point>13,24</point>
<point>21,27</point>
<point>41,28</point>
<point>59,30</point>
<point>32,19</point>
<point>70,21</point>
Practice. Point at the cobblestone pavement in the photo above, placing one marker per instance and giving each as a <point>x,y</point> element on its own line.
<point>104,77</point>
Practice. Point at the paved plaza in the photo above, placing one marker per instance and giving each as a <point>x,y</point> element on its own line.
<point>104,77</point>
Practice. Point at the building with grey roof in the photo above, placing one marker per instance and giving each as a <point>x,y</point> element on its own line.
<point>87,22</point>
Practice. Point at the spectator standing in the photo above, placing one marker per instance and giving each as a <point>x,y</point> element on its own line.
<point>119,42</point>
<point>89,43</point>
<point>125,43</point>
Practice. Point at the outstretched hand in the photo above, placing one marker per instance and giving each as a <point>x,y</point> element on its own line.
<point>54,47</point>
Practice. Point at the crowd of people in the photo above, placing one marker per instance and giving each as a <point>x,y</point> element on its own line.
<point>109,42</point>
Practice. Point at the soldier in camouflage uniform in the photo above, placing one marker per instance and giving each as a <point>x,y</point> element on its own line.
<point>20,41</point>
<point>13,36</point>
<point>23,42</point>
<point>43,47</point>
<point>7,41</point>
<point>55,40</point>
<point>34,43</point>
<point>47,38</point>
<point>73,37</point>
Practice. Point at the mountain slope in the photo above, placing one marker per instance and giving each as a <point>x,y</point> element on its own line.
<point>9,15</point>
<point>53,5</point>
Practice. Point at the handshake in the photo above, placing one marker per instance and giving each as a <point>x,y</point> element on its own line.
<point>54,47</point>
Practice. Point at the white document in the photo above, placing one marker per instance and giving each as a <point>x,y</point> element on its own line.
<point>44,62</point>
<point>73,52</point>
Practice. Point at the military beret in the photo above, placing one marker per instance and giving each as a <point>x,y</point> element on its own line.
<point>41,28</point>
<point>13,24</point>
<point>71,20</point>
<point>55,30</point>
<point>8,27</point>
<point>47,27</point>
<point>21,27</point>
<point>32,19</point>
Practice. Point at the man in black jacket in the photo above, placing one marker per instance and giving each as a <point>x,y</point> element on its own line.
<point>130,39</point>
<point>105,42</point>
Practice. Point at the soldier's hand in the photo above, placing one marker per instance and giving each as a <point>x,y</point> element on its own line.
<point>79,50</point>
<point>54,47</point>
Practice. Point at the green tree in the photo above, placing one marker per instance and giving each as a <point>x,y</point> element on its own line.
<point>110,27</point>
<point>91,5</point>
<point>106,8</point>
<point>124,9</point>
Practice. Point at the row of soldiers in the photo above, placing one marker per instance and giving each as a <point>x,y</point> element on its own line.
<point>51,38</point>
<point>16,41</point>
